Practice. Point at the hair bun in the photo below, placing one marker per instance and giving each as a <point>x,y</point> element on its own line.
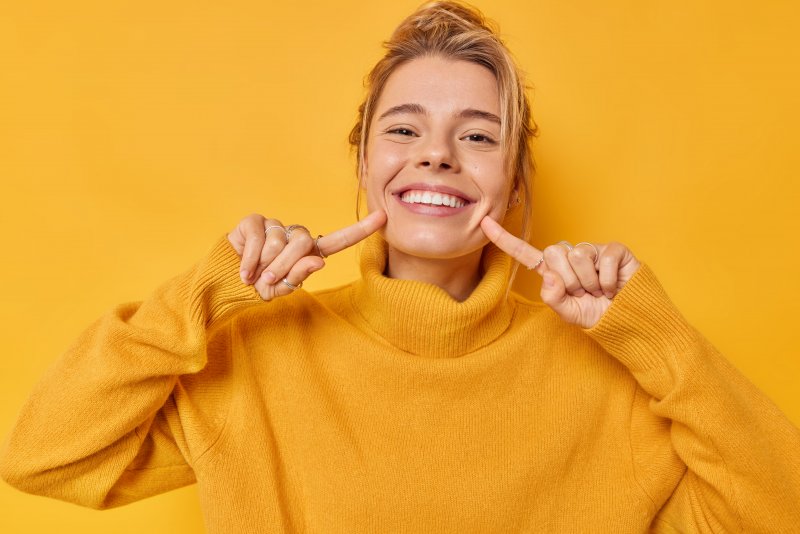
<point>446,12</point>
<point>442,17</point>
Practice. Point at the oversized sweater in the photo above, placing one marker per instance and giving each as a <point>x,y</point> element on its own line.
<point>386,406</point>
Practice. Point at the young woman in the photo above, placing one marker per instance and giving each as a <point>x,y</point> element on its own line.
<point>424,397</point>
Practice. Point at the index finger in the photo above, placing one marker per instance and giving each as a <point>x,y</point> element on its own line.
<point>515,247</point>
<point>350,235</point>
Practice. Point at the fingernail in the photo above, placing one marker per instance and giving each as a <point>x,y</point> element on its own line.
<point>269,276</point>
<point>609,294</point>
<point>548,280</point>
<point>245,276</point>
<point>597,294</point>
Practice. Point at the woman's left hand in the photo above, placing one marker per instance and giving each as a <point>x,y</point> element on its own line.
<point>578,282</point>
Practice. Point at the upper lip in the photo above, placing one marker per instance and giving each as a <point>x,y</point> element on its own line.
<point>433,188</point>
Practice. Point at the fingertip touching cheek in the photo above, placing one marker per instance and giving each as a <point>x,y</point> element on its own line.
<point>433,158</point>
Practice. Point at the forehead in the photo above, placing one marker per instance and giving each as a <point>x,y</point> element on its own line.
<point>441,86</point>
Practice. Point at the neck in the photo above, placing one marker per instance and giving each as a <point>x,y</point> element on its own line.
<point>456,276</point>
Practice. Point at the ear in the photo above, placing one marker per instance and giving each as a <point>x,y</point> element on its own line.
<point>362,173</point>
<point>362,178</point>
<point>513,197</point>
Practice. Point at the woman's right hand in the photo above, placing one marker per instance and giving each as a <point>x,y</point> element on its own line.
<point>274,265</point>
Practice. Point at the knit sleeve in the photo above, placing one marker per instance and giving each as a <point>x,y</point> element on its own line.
<point>742,455</point>
<point>101,428</point>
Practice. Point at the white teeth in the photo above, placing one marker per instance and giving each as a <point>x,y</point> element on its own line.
<point>435,199</point>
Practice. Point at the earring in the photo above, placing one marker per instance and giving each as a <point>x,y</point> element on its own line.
<point>514,201</point>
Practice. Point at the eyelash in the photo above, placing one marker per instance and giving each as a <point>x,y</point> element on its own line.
<point>402,131</point>
<point>485,139</point>
<point>482,139</point>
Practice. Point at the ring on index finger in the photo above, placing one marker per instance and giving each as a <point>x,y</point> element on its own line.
<point>292,227</point>
<point>596,252</point>
<point>538,263</point>
<point>319,250</point>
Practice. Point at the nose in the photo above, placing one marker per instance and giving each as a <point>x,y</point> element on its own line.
<point>436,153</point>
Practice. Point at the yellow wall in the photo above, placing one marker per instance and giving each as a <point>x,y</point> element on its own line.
<point>134,134</point>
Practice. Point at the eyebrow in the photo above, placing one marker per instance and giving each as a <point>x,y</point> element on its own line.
<point>478,114</point>
<point>416,109</point>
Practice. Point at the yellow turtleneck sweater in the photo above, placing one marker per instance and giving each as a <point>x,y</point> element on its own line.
<point>386,406</point>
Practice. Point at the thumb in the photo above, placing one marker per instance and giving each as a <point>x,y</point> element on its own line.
<point>554,292</point>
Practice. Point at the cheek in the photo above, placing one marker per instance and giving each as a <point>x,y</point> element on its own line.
<point>384,161</point>
<point>494,185</point>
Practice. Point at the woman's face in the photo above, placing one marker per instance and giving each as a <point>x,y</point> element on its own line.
<point>433,158</point>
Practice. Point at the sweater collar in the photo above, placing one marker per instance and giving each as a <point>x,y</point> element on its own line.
<point>422,318</point>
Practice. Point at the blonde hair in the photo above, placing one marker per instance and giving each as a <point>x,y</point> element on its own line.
<point>457,31</point>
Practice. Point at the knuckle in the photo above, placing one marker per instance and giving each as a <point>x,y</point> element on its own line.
<point>581,253</point>
<point>607,259</point>
<point>253,220</point>
<point>343,238</point>
<point>614,247</point>
<point>273,245</point>
<point>264,293</point>
<point>363,228</point>
<point>591,285</point>
<point>519,248</point>
<point>254,237</point>
<point>553,251</point>
<point>303,239</point>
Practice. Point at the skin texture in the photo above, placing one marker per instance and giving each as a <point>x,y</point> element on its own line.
<point>443,139</point>
<point>435,130</point>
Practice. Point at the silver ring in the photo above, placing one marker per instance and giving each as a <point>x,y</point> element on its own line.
<point>292,227</point>
<point>566,244</point>
<point>319,251</point>
<point>596,252</point>
<point>538,263</point>
<point>266,232</point>
<point>291,285</point>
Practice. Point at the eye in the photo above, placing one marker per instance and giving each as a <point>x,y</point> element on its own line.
<point>402,131</point>
<point>480,138</point>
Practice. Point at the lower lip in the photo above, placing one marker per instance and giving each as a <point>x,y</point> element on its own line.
<point>430,209</point>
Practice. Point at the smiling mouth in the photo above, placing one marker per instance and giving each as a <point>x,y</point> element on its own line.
<point>432,198</point>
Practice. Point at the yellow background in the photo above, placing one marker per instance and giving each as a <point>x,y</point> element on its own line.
<point>135,134</point>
